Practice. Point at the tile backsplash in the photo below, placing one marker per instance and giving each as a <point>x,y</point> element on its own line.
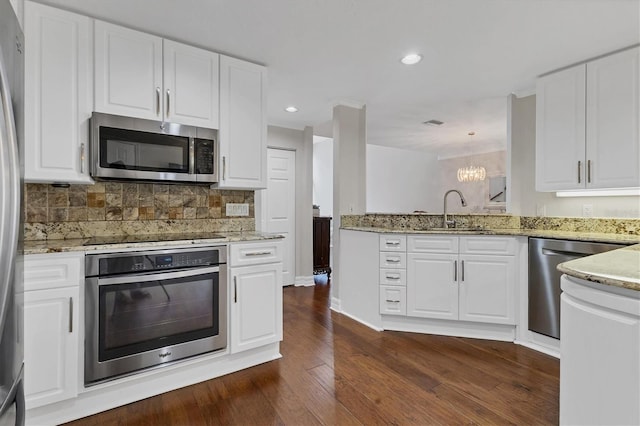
<point>115,202</point>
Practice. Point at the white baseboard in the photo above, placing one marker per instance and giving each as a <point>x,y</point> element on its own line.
<point>362,322</point>
<point>335,305</point>
<point>505,333</point>
<point>304,281</point>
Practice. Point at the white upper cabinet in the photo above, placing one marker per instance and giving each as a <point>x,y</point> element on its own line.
<point>613,121</point>
<point>191,85</point>
<point>560,130</point>
<point>588,125</point>
<point>243,125</point>
<point>58,94</point>
<point>144,76</point>
<point>128,72</point>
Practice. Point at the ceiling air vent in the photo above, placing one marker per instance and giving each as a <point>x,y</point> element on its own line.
<point>433,123</point>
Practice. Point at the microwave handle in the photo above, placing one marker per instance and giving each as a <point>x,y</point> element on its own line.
<point>192,156</point>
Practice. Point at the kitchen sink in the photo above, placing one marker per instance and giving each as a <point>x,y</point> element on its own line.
<point>459,228</point>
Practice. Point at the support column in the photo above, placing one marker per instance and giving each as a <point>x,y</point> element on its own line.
<point>349,177</point>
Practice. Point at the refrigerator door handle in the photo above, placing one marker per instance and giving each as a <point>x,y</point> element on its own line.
<point>9,218</point>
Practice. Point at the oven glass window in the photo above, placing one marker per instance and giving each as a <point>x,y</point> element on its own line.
<point>136,317</point>
<point>142,151</point>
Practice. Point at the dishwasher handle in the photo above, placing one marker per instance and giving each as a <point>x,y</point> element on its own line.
<point>551,252</point>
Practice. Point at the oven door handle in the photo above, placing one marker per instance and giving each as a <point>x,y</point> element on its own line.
<point>126,279</point>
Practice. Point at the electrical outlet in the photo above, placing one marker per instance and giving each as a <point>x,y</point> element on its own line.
<point>237,209</point>
<point>587,210</point>
<point>541,210</point>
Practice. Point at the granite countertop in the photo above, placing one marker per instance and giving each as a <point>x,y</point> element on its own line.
<point>124,241</point>
<point>619,268</point>
<point>564,235</point>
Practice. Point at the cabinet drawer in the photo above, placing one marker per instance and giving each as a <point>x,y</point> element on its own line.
<point>393,242</point>
<point>393,277</point>
<point>48,271</point>
<point>255,253</point>
<point>488,245</point>
<point>393,260</point>
<point>432,244</point>
<point>393,300</point>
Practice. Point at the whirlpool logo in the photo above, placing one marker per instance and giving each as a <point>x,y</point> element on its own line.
<point>163,355</point>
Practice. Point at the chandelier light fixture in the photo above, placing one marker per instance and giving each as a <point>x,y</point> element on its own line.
<point>471,173</point>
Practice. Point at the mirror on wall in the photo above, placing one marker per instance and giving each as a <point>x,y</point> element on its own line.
<point>497,191</point>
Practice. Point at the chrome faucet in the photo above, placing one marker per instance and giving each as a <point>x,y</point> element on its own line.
<point>452,223</point>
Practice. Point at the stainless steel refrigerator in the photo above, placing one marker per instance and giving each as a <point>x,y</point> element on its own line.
<point>11,214</point>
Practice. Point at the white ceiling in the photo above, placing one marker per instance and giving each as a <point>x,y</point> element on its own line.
<point>323,52</point>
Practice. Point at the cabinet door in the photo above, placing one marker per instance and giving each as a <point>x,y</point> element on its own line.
<point>487,286</point>
<point>256,306</point>
<point>190,85</point>
<point>58,94</point>
<point>243,125</point>
<point>613,121</point>
<point>50,345</point>
<point>560,130</point>
<point>128,72</point>
<point>432,288</point>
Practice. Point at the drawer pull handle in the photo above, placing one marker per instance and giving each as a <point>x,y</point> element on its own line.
<point>393,277</point>
<point>393,301</point>
<point>257,253</point>
<point>393,243</point>
<point>393,260</point>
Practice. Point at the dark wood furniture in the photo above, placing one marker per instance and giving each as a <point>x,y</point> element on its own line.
<point>321,243</point>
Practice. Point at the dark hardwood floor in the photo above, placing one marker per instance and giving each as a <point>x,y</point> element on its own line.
<point>335,371</point>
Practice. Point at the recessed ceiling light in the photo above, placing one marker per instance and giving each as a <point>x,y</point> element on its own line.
<point>411,59</point>
<point>291,109</point>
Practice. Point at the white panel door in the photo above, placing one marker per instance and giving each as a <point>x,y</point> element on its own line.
<point>58,94</point>
<point>50,345</point>
<point>190,85</point>
<point>560,130</point>
<point>432,287</point>
<point>256,306</point>
<point>280,201</point>
<point>128,72</point>
<point>486,285</point>
<point>613,121</point>
<point>243,124</point>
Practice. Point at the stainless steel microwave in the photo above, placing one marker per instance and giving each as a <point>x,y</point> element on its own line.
<point>133,148</point>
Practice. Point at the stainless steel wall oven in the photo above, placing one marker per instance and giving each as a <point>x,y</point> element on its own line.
<point>149,308</point>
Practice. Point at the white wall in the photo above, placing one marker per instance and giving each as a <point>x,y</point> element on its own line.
<point>526,201</point>
<point>475,193</point>
<point>401,181</point>
<point>323,174</point>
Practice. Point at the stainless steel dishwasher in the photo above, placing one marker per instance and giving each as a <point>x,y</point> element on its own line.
<point>544,278</point>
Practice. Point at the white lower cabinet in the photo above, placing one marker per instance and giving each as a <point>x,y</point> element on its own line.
<point>454,285</point>
<point>600,354</point>
<point>432,288</point>
<point>51,324</point>
<point>486,289</point>
<point>255,295</point>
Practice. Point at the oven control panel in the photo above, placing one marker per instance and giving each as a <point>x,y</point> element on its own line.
<point>157,260</point>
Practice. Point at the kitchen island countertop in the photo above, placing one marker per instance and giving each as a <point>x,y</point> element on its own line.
<point>618,268</point>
